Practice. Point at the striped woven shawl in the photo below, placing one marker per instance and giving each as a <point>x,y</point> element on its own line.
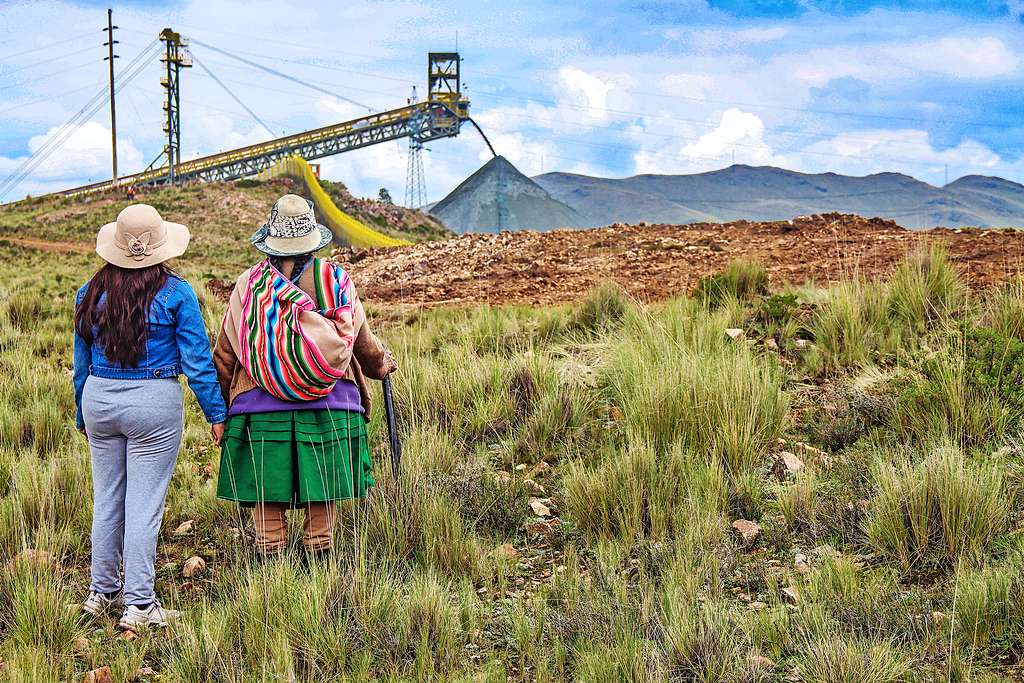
<point>282,359</point>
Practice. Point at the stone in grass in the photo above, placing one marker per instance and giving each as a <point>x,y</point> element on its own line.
<point>789,595</point>
<point>761,663</point>
<point>539,508</point>
<point>734,333</point>
<point>100,675</point>
<point>185,527</point>
<point>33,556</point>
<point>747,531</point>
<point>507,551</point>
<point>193,566</point>
<point>533,487</point>
<point>787,465</point>
<point>544,528</point>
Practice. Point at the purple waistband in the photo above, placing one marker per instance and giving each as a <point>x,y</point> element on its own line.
<point>344,396</point>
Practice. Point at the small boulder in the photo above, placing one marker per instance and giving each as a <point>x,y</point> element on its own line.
<point>787,465</point>
<point>761,663</point>
<point>101,675</point>
<point>734,333</point>
<point>789,595</point>
<point>747,531</point>
<point>771,344</point>
<point>757,606</point>
<point>539,508</point>
<point>193,567</point>
<point>506,550</point>
<point>533,487</point>
<point>185,527</point>
<point>34,556</point>
<point>543,529</point>
<point>502,478</point>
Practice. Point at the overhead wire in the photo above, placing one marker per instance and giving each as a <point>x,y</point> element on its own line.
<point>54,141</point>
<point>4,72</point>
<point>49,46</point>
<point>233,95</point>
<point>281,74</point>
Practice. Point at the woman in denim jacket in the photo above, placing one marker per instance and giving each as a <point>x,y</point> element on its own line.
<point>137,328</point>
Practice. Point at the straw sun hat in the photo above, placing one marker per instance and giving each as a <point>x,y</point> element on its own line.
<point>140,237</point>
<point>291,229</point>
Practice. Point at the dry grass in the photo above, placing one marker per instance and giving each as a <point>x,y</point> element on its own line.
<point>645,430</point>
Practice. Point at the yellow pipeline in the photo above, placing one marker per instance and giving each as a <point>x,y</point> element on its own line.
<point>341,224</point>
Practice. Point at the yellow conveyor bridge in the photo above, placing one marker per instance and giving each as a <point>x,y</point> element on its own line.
<point>440,115</point>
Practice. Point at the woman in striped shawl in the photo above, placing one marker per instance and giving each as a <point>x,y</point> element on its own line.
<point>293,358</point>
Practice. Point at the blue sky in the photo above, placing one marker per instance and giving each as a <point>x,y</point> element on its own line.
<point>930,89</point>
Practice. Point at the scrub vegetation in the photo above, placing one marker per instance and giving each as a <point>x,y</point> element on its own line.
<point>600,492</point>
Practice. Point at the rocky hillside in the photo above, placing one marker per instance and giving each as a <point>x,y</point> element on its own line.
<point>657,261</point>
<point>767,193</point>
<point>473,205</point>
<point>391,219</point>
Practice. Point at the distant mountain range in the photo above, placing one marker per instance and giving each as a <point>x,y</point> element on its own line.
<point>474,206</point>
<point>766,193</point>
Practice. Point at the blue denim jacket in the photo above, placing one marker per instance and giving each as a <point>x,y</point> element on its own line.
<point>176,344</point>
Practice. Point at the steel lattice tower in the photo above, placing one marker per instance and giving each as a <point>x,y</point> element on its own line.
<point>175,57</point>
<point>415,180</point>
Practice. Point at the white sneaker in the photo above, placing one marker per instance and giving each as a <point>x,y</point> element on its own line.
<point>135,618</point>
<point>97,604</point>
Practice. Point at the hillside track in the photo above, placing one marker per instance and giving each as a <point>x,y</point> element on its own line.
<point>654,262</point>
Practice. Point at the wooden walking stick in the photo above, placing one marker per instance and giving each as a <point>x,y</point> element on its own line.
<point>389,412</point>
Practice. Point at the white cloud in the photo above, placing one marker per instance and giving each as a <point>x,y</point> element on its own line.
<point>911,150</point>
<point>737,127</point>
<point>84,154</point>
<point>585,89</point>
<point>737,138</point>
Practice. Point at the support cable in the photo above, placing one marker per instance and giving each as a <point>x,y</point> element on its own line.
<point>282,75</point>
<point>98,101</point>
<point>233,96</point>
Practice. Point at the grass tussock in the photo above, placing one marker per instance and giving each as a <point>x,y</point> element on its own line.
<point>935,510</point>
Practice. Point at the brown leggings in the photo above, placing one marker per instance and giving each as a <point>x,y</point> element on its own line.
<point>272,528</point>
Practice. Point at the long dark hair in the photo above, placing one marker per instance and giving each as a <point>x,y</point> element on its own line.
<point>121,322</point>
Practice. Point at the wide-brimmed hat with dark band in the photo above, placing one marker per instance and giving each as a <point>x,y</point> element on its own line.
<point>291,229</point>
<point>140,238</point>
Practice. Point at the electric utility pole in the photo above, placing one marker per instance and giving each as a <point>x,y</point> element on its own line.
<point>113,115</point>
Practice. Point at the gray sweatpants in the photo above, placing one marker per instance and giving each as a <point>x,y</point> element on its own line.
<point>134,428</point>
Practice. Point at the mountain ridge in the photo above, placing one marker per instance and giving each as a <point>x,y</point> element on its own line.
<point>760,193</point>
<point>473,205</point>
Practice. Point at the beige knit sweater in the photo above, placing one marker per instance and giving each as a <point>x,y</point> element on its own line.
<point>369,358</point>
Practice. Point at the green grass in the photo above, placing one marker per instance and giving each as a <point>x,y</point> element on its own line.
<point>646,431</point>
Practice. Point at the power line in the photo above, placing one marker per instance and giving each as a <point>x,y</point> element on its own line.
<point>49,45</point>
<point>44,77</point>
<point>62,134</point>
<point>283,75</point>
<point>706,123</point>
<point>233,96</point>
<point>47,61</point>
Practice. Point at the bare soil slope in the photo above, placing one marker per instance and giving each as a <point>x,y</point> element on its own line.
<point>657,261</point>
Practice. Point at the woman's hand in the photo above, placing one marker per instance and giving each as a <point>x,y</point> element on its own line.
<point>218,432</point>
<point>389,361</point>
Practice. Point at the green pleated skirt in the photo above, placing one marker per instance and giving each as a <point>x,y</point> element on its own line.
<point>294,456</point>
